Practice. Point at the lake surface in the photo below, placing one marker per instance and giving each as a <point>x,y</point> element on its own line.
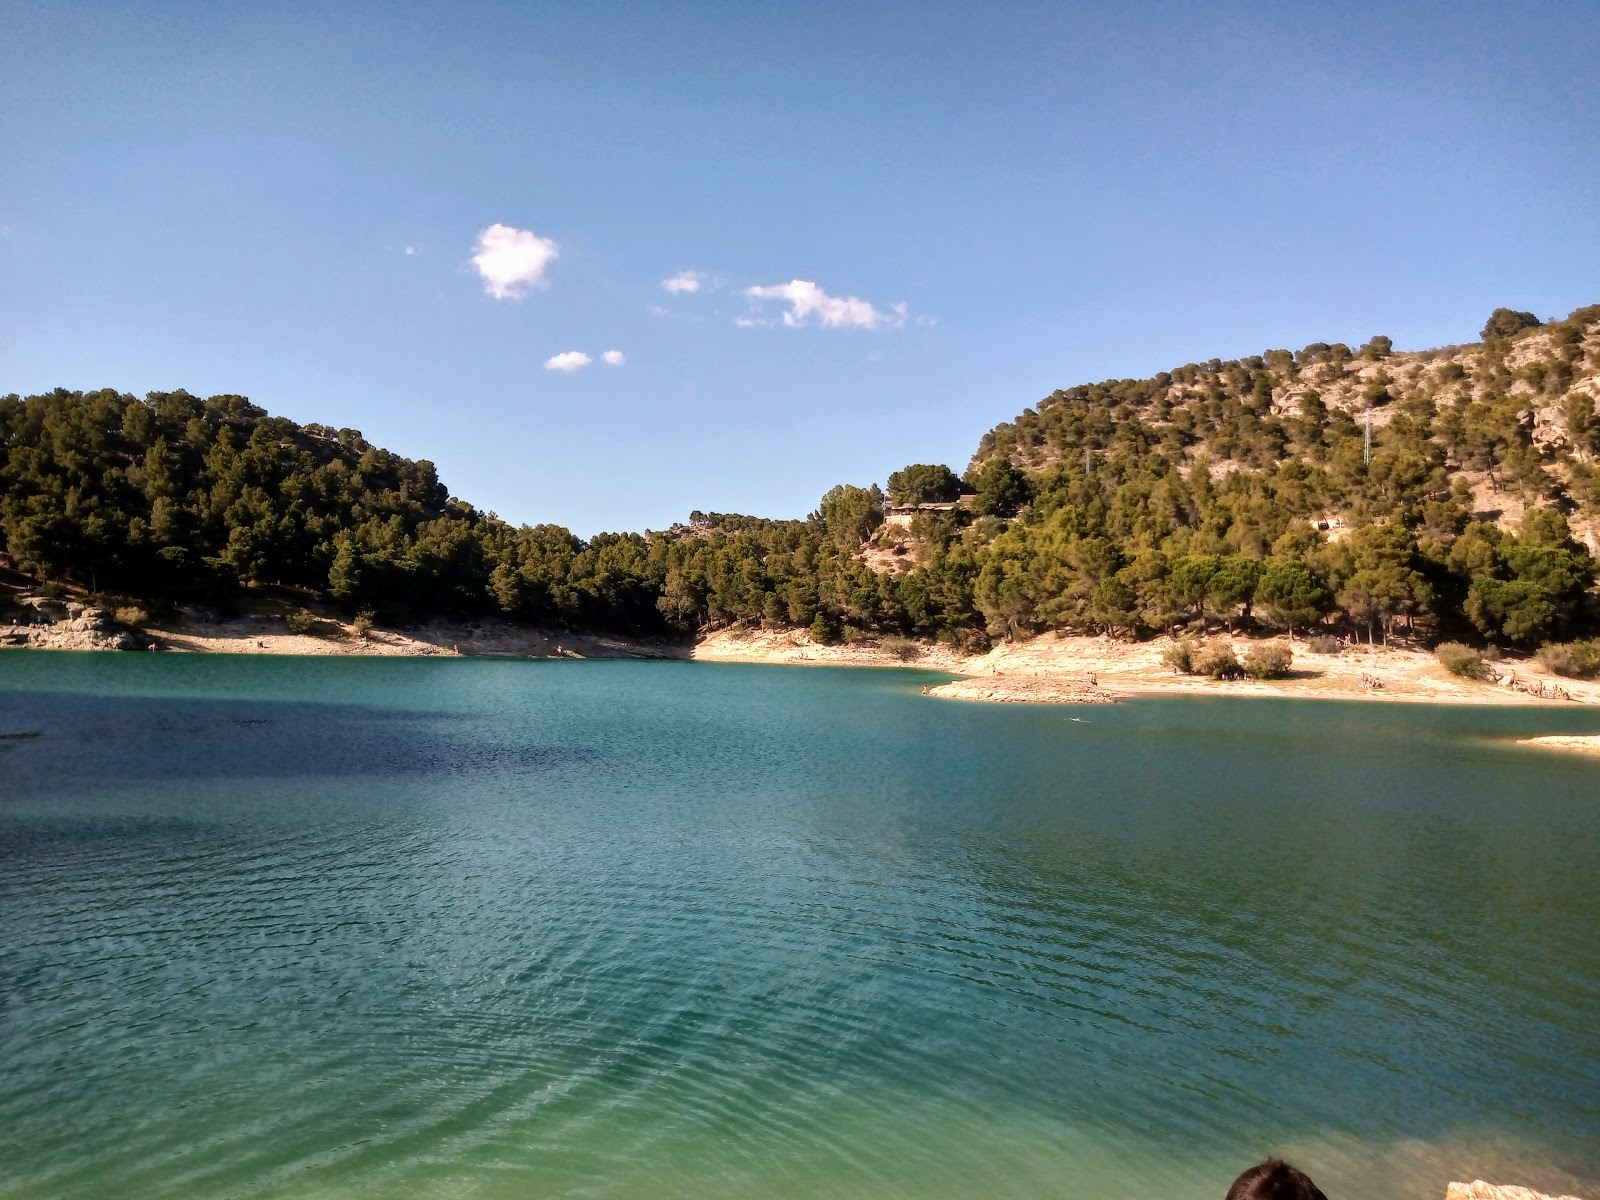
<point>468,928</point>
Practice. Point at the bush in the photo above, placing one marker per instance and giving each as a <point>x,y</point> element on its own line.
<point>1323,644</point>
<point>1507,322</point>
<point>1461,660</point>
<point>132,616</point>
<point>362,623</point>
<point>1271,660</point>
<point>968,641</point>
<point>1180,656</point>
<point>1217,661</point>
<point>1575,660</point>
<point>900,647</point>
<point>299,621</point>
<point>820,633</point>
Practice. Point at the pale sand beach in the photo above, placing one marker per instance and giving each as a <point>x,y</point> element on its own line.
<point>1577,743</point>
<point>1056,669</point>
<point>1050,669</point>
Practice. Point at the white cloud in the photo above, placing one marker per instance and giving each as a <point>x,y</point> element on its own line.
<point>613,358</point>
<point>411,249</point>
<point>511,260</point>
<point>684,281</point>
<point>568,360</point>
<point>806,300</point>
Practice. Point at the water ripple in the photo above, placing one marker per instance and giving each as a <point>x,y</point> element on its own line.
<point>628,969</point>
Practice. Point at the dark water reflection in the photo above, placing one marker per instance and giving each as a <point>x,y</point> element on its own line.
<point>340,928</point>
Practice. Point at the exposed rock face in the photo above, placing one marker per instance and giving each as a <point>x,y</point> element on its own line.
<point>1023,689</point>
<point>85,629</point>
<point>1582,743</point>
<point>1479,1190</point>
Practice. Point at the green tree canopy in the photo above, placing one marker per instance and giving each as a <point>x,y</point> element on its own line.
<point>1001,488</point>
<point>922,483</point>
<point>1506,322</point>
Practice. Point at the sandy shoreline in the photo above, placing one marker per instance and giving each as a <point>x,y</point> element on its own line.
<point>266,633</point>
<point>1052,669</point>
<point>1062,670</point>
<point>1577,743</point>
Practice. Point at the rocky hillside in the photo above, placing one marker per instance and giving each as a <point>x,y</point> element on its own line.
<point>1514,416</point>
<point>1449,493</point>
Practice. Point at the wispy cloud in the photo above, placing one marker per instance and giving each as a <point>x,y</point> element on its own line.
<point>568,360</point>
<point>685,281</point>
<point>806,301</point>
<point>511,260</point>
<point>613,358</point>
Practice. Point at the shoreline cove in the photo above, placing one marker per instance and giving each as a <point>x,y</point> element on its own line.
<point>1049,669</point>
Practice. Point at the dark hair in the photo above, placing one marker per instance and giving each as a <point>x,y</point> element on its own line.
<point>1274,1179</point>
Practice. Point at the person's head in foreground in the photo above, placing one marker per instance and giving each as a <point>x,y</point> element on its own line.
<point>1274,1179</point>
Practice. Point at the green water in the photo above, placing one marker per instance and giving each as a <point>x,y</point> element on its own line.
<point>465,928</point>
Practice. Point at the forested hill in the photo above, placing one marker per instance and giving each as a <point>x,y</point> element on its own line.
<point>1239,492</point>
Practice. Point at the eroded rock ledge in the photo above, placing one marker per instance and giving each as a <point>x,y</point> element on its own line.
<point>1479,1190</point>
<point>1022,689</point>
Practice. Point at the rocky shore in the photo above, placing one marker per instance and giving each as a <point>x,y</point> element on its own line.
<point>1479,1190</point>
<point>1577,743</point>
<point>83,627</point>
<point>1061,669</point>
<point>1051,669</point>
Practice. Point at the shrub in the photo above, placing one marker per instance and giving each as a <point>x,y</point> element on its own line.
<point>1576,660</point>
<point>362,623</point>
<point>299,621</point>
<point>1461,660</point>
<point>132,616</point>
<point>968,641</point>
<point>820,633</point>
<point>900,647</point>
<point>1271,660</point>
<point>1217,661</point>
<point>1323,644</point>
<point>1180,656</point>
<point>1507,322</point>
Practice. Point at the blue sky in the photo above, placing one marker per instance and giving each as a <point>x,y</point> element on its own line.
<point>1017,198</point>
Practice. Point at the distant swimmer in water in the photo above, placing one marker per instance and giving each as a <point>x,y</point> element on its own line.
<point>1274,1179</point>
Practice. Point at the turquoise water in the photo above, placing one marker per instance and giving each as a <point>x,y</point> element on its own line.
<point>472,928</point>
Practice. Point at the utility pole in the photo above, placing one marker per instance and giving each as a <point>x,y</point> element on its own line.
<point>1369,438</point>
